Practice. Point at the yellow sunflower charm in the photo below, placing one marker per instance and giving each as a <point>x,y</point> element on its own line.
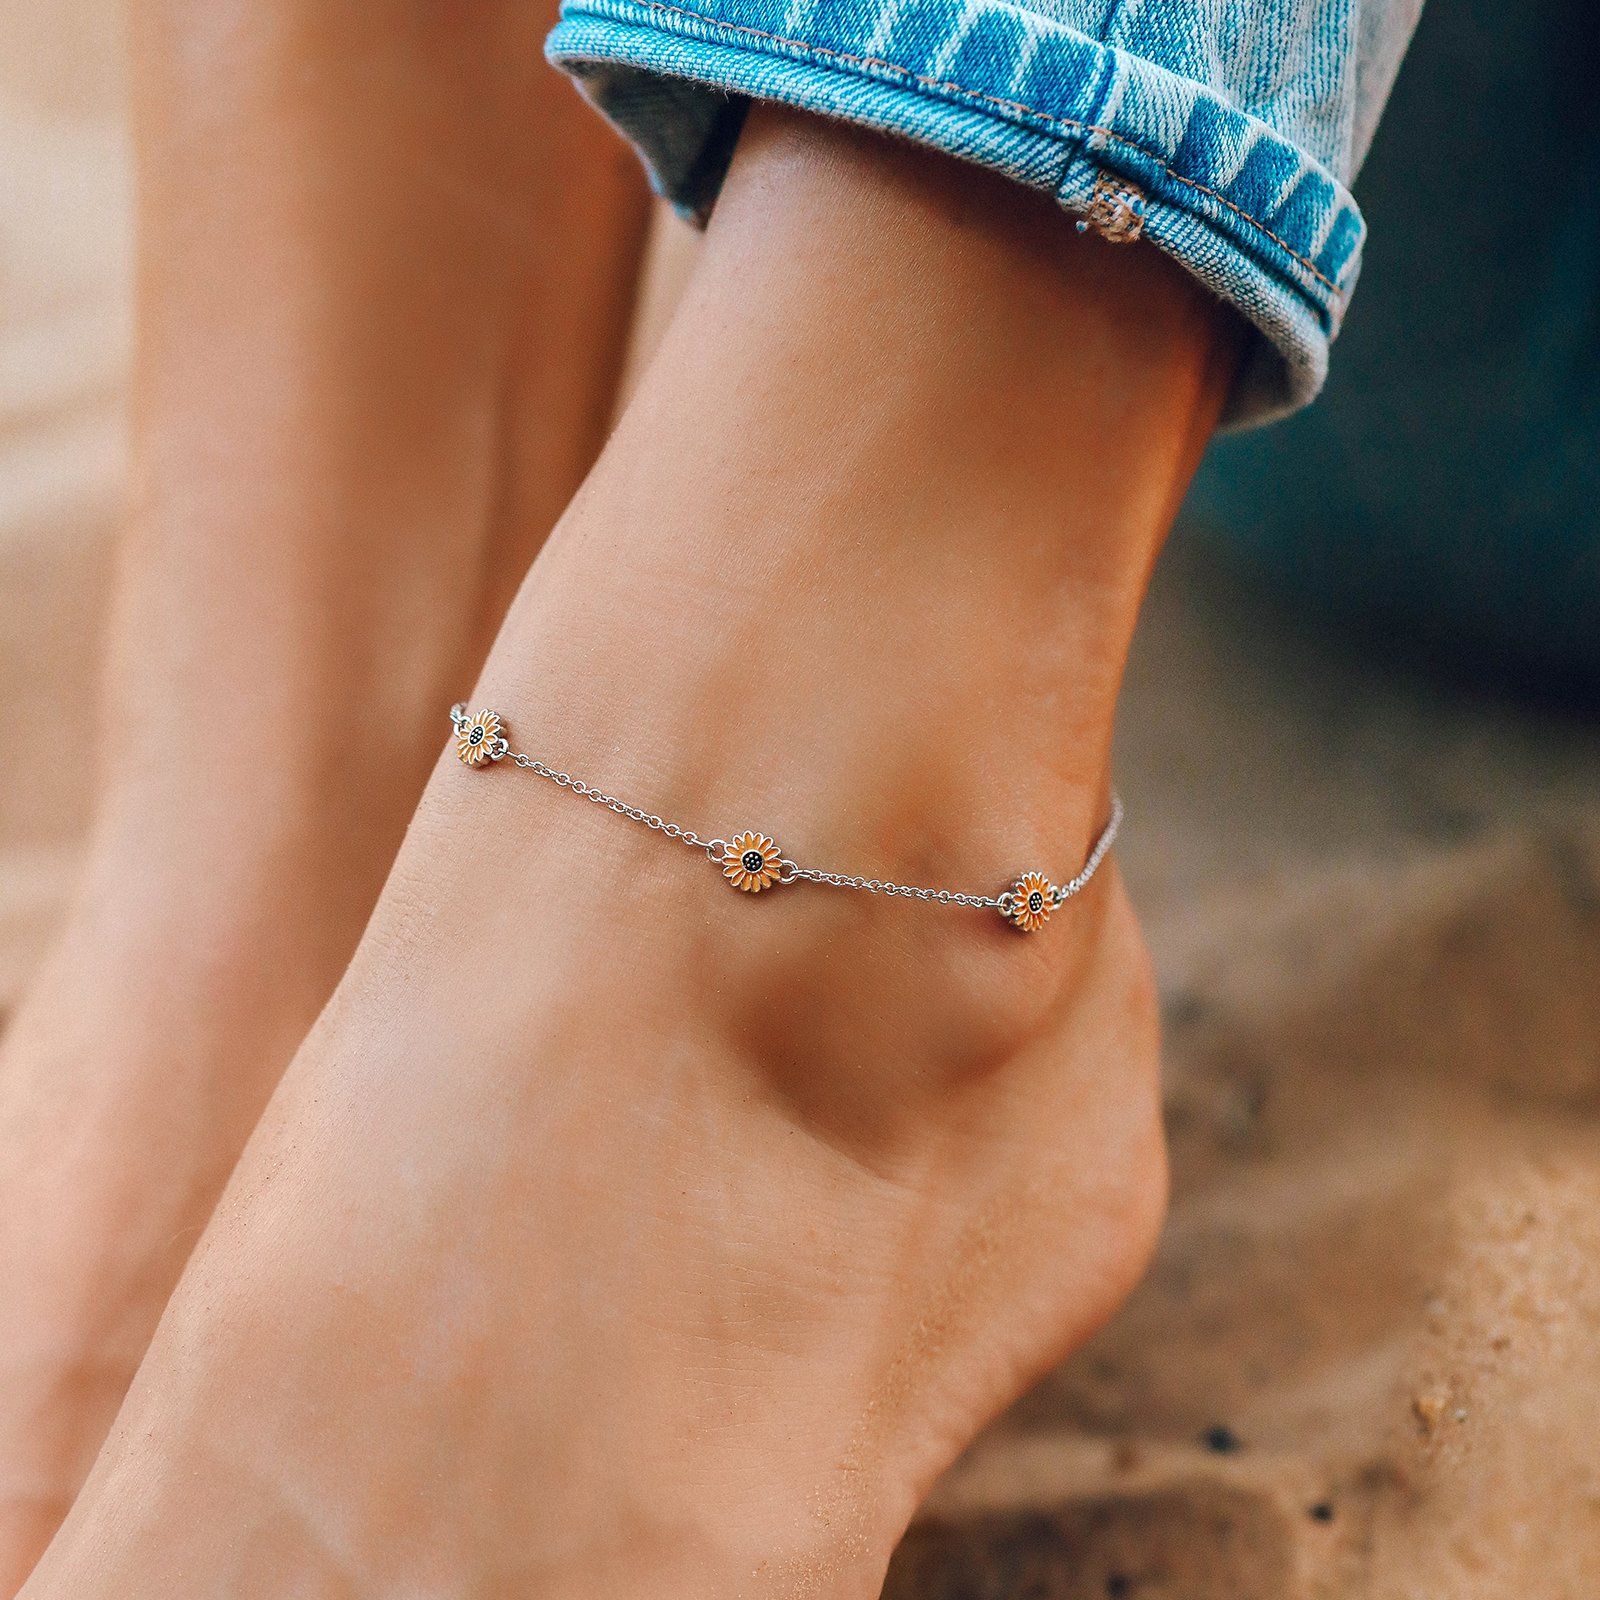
<point>478,738</point>
<point>1033,898</point>
<point>751,861</point>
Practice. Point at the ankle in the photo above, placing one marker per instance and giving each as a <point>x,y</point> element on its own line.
<point>872,724</point>
<point>868,1015</point>
<point>883,620</point>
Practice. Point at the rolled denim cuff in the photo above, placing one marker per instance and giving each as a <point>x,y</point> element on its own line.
<point>1132,146</point>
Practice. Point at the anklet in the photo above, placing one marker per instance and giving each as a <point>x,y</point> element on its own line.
<point>752,861</point>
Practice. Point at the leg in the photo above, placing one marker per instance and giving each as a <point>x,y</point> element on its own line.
<point>615,1233</point>
<point>378,243</point>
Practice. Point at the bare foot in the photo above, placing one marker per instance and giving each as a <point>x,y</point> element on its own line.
<point>617,1233</point>
<point>330,517</point>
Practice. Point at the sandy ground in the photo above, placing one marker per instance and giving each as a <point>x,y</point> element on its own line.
<point>1367,1363</point>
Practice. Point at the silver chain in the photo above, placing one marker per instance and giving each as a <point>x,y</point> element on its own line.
<point>788,872</point>
<point>634,813</point>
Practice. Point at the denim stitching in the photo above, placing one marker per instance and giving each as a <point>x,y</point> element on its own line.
<point>1017,106</point>
<point>1073,150</point>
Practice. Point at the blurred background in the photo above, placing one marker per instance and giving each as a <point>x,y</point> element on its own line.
<point>65,327</point>
<point>1361,748</point>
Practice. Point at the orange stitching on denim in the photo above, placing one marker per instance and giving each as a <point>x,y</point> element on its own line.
<point>878,64</point>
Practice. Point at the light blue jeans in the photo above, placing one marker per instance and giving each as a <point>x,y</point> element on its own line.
<point>1224,131</point>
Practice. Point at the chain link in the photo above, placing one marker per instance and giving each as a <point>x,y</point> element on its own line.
<point>791,871</point>
<point>794,873</point>
<point>588,791</point>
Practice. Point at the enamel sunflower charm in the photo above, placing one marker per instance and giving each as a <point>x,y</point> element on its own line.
<point>752,862</point>
<point>478,738</point>
<point>1032,900</point>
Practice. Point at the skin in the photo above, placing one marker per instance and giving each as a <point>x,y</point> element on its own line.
<point>614,1233</point>
<point>347,449</point>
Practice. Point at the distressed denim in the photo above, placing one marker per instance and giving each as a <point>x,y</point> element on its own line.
<point>1225,131</point>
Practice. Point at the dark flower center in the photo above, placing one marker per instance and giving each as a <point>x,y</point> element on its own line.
<point>476,736</point>
<point>752,861</point>
<point>1036,901</point>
